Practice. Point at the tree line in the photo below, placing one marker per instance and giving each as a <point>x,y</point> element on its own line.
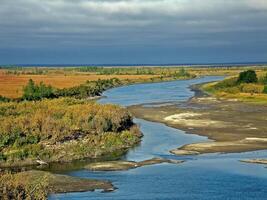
<point>33,91</point>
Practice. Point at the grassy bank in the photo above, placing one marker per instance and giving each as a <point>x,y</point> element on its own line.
<point>32,185</point>
<point>61,130</point>
<point>248,86</point>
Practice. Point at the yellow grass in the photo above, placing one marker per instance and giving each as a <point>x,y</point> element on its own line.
<point>245,97</point>
<point>12,85</point>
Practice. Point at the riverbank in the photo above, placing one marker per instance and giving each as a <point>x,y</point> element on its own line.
<point>58,131</point>
<point>38,184</point>
<point>232,125</point>
<point>63,130</point>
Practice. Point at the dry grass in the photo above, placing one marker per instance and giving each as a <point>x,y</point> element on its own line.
<point>222,71</point>
<point>12,85</point>
<point>245,97</point>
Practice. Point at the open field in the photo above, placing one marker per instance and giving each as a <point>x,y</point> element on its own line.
<point>12,85</point>
<point>12,80</point>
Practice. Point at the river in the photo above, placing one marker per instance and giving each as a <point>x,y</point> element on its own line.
<point>209,176</point>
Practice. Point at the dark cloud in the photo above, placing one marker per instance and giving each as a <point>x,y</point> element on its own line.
<point>132,31</point>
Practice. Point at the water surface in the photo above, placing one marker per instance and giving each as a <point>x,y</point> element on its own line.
<point>210,176</point>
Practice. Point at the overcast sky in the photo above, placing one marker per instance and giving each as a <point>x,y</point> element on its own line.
<point>132,31</point>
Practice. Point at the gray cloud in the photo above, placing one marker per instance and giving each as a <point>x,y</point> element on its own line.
<point>131,24</point>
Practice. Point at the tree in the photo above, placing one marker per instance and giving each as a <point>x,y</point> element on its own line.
<point>29,90</point>
<point>45,91</point>
<point>265,89</point>
<point>248,76</point>
<point>33,91</point>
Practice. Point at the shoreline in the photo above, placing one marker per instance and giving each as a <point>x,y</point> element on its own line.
<point>227,123</point>
<point>37,184</point>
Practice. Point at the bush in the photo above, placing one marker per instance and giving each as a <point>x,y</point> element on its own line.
<point>33,91</point>
<point>232,90</point>
<point>265,89</point>
<point>227,83</point>
<point>248,76</point>
<point>251,88</point>
<point>4,99</point>
<point>2,157</point>
<point>263,80</point>
<point>89,89</point>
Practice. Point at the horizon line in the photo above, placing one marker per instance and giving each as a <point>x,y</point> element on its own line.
<point>135,65</point>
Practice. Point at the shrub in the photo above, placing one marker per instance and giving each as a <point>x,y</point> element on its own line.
<point>2,157</point>
<point>264,79</point>
<point>181,73</point>
<point>265,89</point>
<point>4,99</point>
<point>248,76</point>
<point>251,88</point>
<point>34,91</point>
<point>89,89</point>
<point>232,90</point>
<point>227,83</point>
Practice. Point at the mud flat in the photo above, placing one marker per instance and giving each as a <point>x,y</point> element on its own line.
<point>232,126</point>
<point>256,161</point>
<point>222,147</point>
<point>126,165</point>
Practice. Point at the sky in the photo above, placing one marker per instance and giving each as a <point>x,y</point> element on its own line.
<point>132,31</point>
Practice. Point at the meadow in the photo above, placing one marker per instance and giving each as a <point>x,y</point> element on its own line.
<point>12,84</point>
<point>247,86</point>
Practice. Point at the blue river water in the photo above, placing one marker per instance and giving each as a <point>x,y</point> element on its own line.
<point>209,176</point>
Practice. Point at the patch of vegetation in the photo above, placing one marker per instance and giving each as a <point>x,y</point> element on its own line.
<point>36,185</point>
<point>26,71</point>
<point>62,129</point>
<point>72,76</point>
<point>242,87</point>
<point>40,91</point>
<point>248,76</point>
<point>89,89</point>
<point>161,71</point>
<point>34,91</point>
<point>118,70</point>
<point>19,186</point>
<point>4,99</point>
